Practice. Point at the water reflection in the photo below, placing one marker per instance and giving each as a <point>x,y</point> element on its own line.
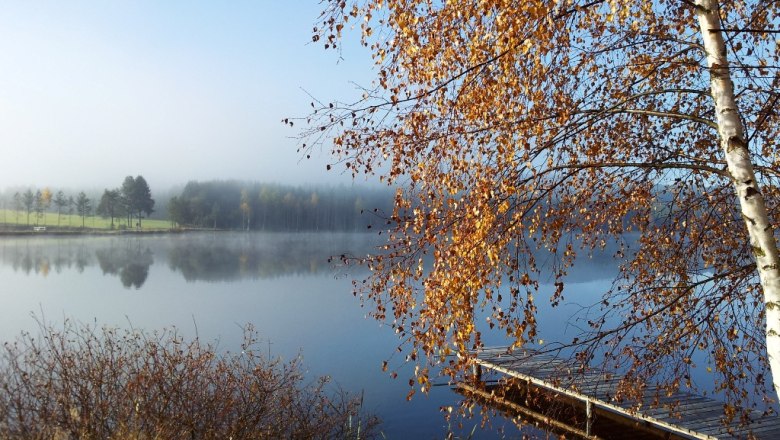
<point>234,257</point>
<point>131,264</point>
<point>300,307</point>
<point>30,258</point>
<point>224,257</point>
<point>210,257</point>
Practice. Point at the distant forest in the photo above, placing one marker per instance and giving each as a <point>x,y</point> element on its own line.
<point>274,207</point>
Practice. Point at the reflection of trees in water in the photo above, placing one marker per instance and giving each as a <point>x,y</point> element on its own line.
<point>31,258</point>
<point>225,260</point>
<point>130,263</point>
<point>198,262</point>
<point>198,257</point>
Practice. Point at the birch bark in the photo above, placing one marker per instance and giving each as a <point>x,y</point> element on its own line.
<point>732,139</point>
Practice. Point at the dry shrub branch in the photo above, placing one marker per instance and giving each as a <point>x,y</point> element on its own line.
<point>86,382</point>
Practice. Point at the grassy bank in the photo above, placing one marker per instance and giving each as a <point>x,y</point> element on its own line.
<point>17,221</point>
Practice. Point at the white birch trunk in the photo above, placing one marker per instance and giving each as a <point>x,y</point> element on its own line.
<point>732,139</point>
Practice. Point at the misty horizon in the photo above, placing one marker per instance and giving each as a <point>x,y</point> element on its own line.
<point>178,187</point>
<point>174,92</point>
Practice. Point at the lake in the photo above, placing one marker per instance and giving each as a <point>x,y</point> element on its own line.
<point>211,284</point>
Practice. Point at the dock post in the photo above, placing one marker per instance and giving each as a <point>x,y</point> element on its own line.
<point>588,417</point>
<point>476,370</point>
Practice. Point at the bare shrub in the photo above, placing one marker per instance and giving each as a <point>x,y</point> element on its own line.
<point>86,382</point>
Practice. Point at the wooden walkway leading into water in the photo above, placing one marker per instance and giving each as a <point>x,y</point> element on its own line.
<point>690,416</point>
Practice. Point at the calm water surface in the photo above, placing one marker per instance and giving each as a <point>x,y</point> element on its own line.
<point>214,283</point>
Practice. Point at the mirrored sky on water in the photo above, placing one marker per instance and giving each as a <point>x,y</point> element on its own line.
<point>210,285</point>
<point>187,277</point>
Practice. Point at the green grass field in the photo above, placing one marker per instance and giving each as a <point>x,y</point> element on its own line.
<point>18,220</point>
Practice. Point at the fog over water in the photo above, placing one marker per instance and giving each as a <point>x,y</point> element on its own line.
<point>211,284</point>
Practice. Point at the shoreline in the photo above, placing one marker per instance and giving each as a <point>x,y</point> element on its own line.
<point>114,232</point>
<point>87,231</point>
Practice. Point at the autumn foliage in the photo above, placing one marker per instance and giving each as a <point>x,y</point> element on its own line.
<point>524,130</point>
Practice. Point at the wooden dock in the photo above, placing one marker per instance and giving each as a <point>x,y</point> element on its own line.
<point>690,417</point>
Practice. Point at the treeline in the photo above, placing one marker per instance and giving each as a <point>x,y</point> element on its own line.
<point>36,203</point>
<point>129,202</point>
<point>273,207</point>
<point>132,200</point>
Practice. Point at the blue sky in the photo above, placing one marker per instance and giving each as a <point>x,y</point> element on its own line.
<point>175,90</point>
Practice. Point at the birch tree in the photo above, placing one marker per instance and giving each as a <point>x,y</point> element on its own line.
<point>246,210</point>
<point>520,130</point>
<point>38,206</point>
<point>60,202</point>
<point>731,134</point>
<point>83,207</point>
<point>28,200</point>
<point>18,205</point>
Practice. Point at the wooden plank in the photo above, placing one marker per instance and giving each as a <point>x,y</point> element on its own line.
<point>651,401</point>
<point>530,413</point>
<point>529,364</point>
<point>702,419</point>
<point>681,413</point>
<point>693,408</point>
<point>690,421</point>
<point>600,384</point>
<point>705,420</point>
<point>695,412</point>
<point>714,429</point>
<point>544,372</point>
<point>631,415</point>
<point>769,434</point>
<point>532,366</point>
<point>528,357</point>
<point>689,406</point>
<point>599,392</point>
<point>687,409</point>
<point>755,428</point>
